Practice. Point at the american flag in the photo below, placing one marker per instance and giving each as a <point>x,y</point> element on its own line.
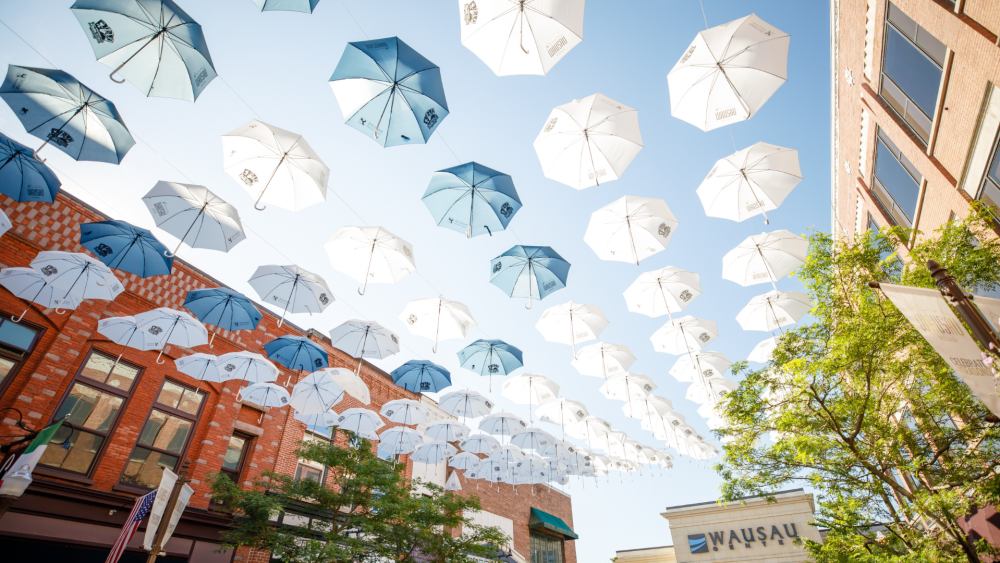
<point>139,511</point>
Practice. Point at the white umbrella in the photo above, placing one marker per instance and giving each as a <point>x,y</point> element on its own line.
<point>325,419</point>
<point>558,449</point>
<point>404,411</point>
<point>77,274</point>
<point>571,322</point>
<point>295,289</point>
<point>202,367</point>
<point>28,284</point>
<point>352,384</point>
<point>562,412</point>
<point>502,424</point>
<point>603,359</point>
<point>453,483</point>
<point>465,461</point>
<point>170,326</point>
<point>437,318</point>
<point>694,368</point>
<point>589,429</point>
<point>194,215</point>
<point>647,408</point>
<point>123,330</point>
<point>728,73</point>
<point>773,310</point>
<point>761,353</point>
<point>5,223</point>
<point>627,386</point>
<point>265,395</point>
<point>532,439</point>
<point>247,366</point>
<point>316,393</point>
<point>399,440</point>
<point>360,421</point>
<point>364,339</point>
<point>662,292</point>
<point>275,166</point>
<point>467,404</point>
<point>764,258</point>
<point>588,141</point>
<point>530,389</point>
<point>479,444</point>
<point>750,182</point>
<point>370,255</point>
<point>433,452</point>
<point>495,471</point>
<point>447,431</point>
<point>714,389</point>
<point>630,229</point>
<point>507,454</point>
<point>521,38</point>
<point>532,469</point>
<point>684,335</point>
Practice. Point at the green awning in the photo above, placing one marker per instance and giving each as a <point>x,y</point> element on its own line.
<point>549,522</point>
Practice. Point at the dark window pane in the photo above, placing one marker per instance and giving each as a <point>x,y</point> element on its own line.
<point>324,431</point>
<point>991,196</point>
<point>16,335</point>
<point>545,548</point>
<point>99,366</point>
<point>234,453</point>
<point>915,73</point>
<point>170,394</point>
<point>995,169</point>
<point>72,450</point>
<point>306,472</point>
<point>190,401</point>
<point>144,468</point>
<point>90,408</point>
<point>6,366</point>
<point>165,432</point>
<point>900,185</point>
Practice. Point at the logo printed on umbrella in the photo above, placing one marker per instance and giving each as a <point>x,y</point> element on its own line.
<point>709,372</point>
<point>59,137</point>
<point>723,114</point>
<point>103,249</point>
<point>229,367</point>
<point>24,111</point>
<point>506,210</point>
<point>394,339</point>
<point>35,192</point>
<point>50,270</point>
<point>161,208</point>
<point>685,296</point>
<point>556,46</point>
<point>425,386</point>
<point>102,32</point>
<point>248,177</point>
<point>202,75</point>
<point>389,413</point>
<point>155,330</point>
<point>497,267</point>
<point>761,275</point>
<point>549,285</point>
<point>430,118</point>
<point>341,419</point>
<point>663,230</point>
<point>411,319</point>
<point>471,13</point>
<point>408,252</point>
<point>493,368</point>
<point>687,54</point>
<point>705,337</point>
<point>377,46</point>
<point>753,205</point>
<point>550,125</point>
<point>323,299</point>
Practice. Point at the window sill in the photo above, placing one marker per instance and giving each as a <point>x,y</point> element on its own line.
<point>130,489</point>
<point>65,476</point>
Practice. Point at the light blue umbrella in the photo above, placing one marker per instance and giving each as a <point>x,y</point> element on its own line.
<point>304,6</point>
<point>152,43</point>
<point>421,376</point>
<point>490,357</point>
<point>529,271</point>
<point>472,199</point>
<point>389,92</point>
<point>224,308</point>
<point>297,352</point>
<point>126,247</point>
<point>56,108</point>
<point>22,178</point>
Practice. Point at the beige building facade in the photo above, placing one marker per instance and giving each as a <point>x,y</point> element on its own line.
<point>754,530</point>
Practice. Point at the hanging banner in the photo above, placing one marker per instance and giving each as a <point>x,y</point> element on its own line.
<point>182,501</point>
<point>930,314</point>
<point>167,482</point>
<point>990,308</point>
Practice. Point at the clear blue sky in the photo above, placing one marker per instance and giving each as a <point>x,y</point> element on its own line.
<point>279,64</point>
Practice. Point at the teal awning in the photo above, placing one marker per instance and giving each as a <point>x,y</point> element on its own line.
<point>540,519</point>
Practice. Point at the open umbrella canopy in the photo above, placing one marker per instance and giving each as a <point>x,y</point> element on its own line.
<point>294,289</point>
<point>773,310</point>
<point>421,376</point>
<point>275,166</point>
<point>360,421</point>
<point>55,107</point>
<point>479,444</point>
<point>502,424</point>
<point>588,141</point>
<point>153,44</point>
<point>532,439</point>
<point>247,366</point>
<point>447,431</point>
<point>389,92</point>
<point>472,199</point>
<point>700,365</point>
<point>765,258</point>
<point>5,223</point>
<point>467,404</point>
<point>321,422</point>
<point>195,216</point>
<point>684,335</point>
<point>603,360</point>
<point>304,6</point>
<point>761,353</point>
<point>437,318</point>
<point>370,255</point>
<point>530,389</point>
<point>465,461</point>
<point>125,247</point>
<point>662,292</point>
<point>30,285</point>
<point>490,357</point>
<point>404,411</point>
<point>630,229</point>
<point>170,326</point>
<point>399,440</point>
<point>77,274</point>
<point>714,389</point>
<point>433,452</point>
<point>571,322</point>
<point>627,386</point>
<point>297,352</point>
<point>224,308</point>
<point>750,182</point>
<point>529,271</point>
<point>365,339</point>
<point>316,393</point>
<point>22,178</point>
<point>351,383</point>
<point>562,411</point>
<point>728,72</point>
<point>265,395</point>
<point>203,367</point>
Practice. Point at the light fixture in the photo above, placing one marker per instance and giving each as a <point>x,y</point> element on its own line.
<point>17,482</point>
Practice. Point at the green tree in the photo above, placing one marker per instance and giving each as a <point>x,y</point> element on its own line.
<point>859,407</point>
<point>367,511</point>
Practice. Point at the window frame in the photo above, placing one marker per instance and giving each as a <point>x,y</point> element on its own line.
<point>194,419</point>
<point>532,533</point>
<point>237,474</point>
<point>104,388</point>
<point>877,186</point>
<point>981,189</point>
<point>883,75</point>
<point>18,363</point>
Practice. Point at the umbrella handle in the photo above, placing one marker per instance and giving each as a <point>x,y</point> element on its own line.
<point>105,281</point>
<point>112,76</point>
<point>18,319</point>
<point>211,340</point>
<point>158,361</point>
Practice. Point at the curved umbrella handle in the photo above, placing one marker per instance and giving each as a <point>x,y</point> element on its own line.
<point>104,282</point>
<point>360,291</point>
<point>211,340</point>
<point>112,76</point>
<point>158,361</point>
<point>528,306</point>
<point>18,319</point>
<point>35,154</point>
<point>259,208</point>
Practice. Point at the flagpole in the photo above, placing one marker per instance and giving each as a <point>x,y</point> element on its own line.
<point>168,512</point>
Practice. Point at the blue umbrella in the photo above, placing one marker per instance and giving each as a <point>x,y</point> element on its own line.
<point>490,357</point>
<point>297,352</point>
<point>224,308</point>
<point>389,92</point>
<point>126,247</point>
<point>152,43</point>
<point>304,6</point>
<point>421,376</point>
<point>472,199</point>
<point>56,108</point>
<point>22,178</point>
<point>529,271</point>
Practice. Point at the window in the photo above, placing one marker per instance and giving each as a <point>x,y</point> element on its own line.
<point>989,192</point>
<point>95,399</point>
<point>165,435</point>
<point>893,267</point>
<point>897,181</point>
<point>307,469</point>
<point>17,340</point>
<point>911,71</point>
<point>236,453</point>
<point>546,548</point>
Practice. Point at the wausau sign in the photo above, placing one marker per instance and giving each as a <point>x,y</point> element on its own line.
<point>747,538</point>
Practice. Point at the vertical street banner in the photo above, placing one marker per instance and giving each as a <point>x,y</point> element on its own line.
<point>990,308</point>
<point>182,501</point>
<point>930,314</point>
<point>167,482</point>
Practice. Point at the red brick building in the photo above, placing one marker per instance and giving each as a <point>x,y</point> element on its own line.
<point>145,415</point>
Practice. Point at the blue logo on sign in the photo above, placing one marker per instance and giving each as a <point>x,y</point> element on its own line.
<point>698,543</point>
